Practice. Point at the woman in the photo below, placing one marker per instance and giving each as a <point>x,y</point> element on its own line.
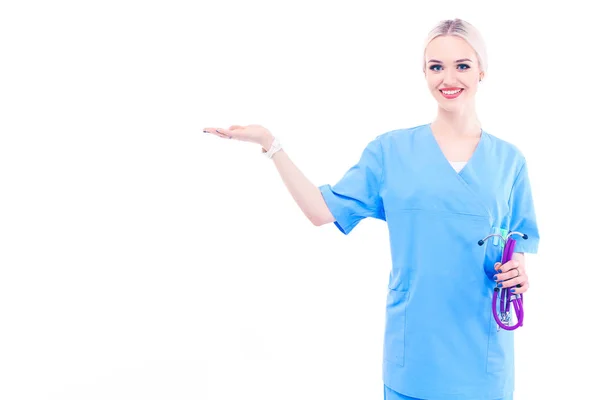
<point>441,187</point>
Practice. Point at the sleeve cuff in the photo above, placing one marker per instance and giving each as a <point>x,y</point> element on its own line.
<point>526,246</point>
<point>343,221</point>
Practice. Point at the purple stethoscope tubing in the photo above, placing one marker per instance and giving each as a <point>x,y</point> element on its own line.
<point>506,298</point>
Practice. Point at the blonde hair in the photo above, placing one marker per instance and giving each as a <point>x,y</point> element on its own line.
<point>464,30</point>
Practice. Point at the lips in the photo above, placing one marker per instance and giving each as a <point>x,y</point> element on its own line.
<point>451,93</point>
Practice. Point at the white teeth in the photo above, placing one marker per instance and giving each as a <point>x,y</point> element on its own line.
<point>451,92</point>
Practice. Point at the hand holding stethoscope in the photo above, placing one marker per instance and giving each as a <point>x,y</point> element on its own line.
<point>513,275</point>
<point>512,282</point>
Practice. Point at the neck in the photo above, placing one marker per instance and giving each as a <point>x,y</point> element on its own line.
<point>463,123</point>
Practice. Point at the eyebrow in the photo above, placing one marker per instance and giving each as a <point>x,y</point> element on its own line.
<point>457,61</point>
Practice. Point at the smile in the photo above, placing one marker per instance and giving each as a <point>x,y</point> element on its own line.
<point>451,93</point>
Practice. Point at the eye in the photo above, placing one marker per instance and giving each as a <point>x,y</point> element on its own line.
<point>466,66</point>
<point>433,67</point>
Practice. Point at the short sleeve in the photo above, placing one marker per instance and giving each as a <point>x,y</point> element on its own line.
<point>522,213</point>
<point>357,195</point>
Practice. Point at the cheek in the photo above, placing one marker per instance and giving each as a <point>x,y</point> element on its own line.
<point>471,80</point>
<point>473,85</point>
<point>432,83</point>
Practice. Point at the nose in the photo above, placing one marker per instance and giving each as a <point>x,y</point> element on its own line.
<point>449,77</point>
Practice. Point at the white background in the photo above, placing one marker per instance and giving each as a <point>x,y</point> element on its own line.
<point>143,259</point>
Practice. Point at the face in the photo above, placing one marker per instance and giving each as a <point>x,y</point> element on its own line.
<point>452,72</point>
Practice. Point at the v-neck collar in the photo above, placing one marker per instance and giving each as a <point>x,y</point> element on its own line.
<point>469,162</point>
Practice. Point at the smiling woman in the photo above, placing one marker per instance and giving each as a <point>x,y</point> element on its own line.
<point>440,187</point>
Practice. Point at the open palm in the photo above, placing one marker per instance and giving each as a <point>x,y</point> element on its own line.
<point>248,133</point>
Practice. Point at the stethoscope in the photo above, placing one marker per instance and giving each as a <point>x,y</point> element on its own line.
<point>506,298</point>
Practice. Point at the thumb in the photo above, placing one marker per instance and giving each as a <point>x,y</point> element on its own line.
<point>497,265</point>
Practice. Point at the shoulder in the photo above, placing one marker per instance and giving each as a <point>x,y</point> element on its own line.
<point>505,150</point>
<point>511,159</point>
<point>401,135</point>
<point>397,143</point>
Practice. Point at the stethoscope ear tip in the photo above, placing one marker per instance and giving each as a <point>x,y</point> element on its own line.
<point>525,236</point>
<point>480,243</point>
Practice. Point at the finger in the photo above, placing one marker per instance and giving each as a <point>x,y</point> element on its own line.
<point>521,279</point>
<point>504,276</point>
<point>497,265</point>
<point>520,290</point>
<point>507,266</point>
<point>226,133</point>
<point>212,131</point>
<point>218,132</point>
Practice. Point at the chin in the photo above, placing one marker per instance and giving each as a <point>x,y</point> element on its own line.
<point>450,107</point>
<point>453,105</point>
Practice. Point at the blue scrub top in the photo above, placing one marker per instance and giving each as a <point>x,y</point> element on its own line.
<point>441,341</point>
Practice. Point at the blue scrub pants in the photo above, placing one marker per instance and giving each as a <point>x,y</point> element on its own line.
<point>389,394</point>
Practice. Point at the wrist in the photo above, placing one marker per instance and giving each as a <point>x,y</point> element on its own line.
<point>271,147</point>
<point>267,142</point>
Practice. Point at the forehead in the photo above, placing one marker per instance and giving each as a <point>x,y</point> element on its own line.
<point>448,49</point>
